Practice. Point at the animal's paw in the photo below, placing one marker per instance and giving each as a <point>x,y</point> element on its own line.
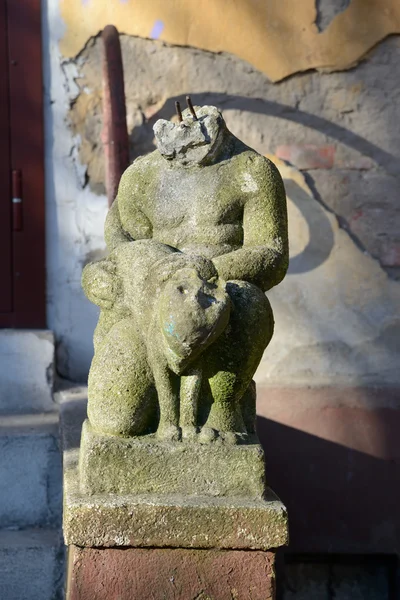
<point>190,433</point>
<point>168,433</point>
<point>233,438</point>
<point>208,435</point>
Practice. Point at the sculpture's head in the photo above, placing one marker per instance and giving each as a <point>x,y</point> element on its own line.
<point>195,140</point>
<point>193,312</point>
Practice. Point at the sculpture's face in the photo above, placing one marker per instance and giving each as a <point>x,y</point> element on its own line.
<point>192,141</point>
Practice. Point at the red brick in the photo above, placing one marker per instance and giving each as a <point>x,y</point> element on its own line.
<point>307,156</point>
<point>390,254</point>
<point>169,574</point>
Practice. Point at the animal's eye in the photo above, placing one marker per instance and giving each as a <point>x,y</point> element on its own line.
<point>182,289</point>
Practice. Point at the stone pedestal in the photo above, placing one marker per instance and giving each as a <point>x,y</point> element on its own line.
<point>142,544</point>
<point>168,495</point>
<point>146,465</point>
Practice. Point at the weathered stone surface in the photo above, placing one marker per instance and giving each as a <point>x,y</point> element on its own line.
<point>196,234</point>
<point>176,521</point>
<point>147,465</point>
<point>170,574</point>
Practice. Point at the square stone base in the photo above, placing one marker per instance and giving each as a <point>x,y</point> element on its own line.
<point>146,465</point>
<point>174,520</point>
<point>169,574</point>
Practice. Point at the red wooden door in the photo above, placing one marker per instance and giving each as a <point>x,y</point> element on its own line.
<point>22,223</point>
<point>5,170</point>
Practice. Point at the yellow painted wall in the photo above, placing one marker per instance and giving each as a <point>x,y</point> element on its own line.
<point>278,37</point>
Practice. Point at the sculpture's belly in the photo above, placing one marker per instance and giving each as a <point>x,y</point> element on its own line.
<point>209,240</point>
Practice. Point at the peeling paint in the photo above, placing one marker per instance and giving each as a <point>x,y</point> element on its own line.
<point>327,11</point>
<point>277,37</point>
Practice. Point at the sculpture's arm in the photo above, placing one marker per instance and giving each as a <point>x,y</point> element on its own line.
<point>113,232</point>
<point>125,221</point>
<point>263,258</point>
<point>99,279</point>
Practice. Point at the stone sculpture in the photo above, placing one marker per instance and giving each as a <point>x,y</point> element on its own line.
<point>196,235</point>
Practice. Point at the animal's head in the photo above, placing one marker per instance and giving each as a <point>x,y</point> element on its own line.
<point>193,312</point>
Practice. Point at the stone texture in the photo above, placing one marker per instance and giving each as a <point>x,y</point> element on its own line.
<point>31,565</point>
<point>148,466</point>
<point>196,234</point>
<point>170,574</point>
<point>27,365</point>
<point>30,471</point>
<point>174,521</point>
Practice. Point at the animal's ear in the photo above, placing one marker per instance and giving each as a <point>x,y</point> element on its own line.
<point>100,283</point>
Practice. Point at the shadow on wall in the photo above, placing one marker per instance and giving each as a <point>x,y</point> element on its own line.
<point>261,106</point>
<point>339,499</point>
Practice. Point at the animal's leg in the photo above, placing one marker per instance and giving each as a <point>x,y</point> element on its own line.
<point>225,417</point>
<point>232,361</point>
<point>167,386</point>
<point>248,407</point>
<point>189,401</point>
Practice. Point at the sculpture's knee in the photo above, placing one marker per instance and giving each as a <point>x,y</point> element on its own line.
<point>252,314</point>
<point>122,398</point>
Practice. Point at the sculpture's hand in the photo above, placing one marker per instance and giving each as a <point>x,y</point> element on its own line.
<point>167,267</point>
<point>99,282</point>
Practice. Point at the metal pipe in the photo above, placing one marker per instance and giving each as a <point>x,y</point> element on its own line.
<point>115,134</point>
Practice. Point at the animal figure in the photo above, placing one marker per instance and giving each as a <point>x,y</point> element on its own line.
<point>145,341</point>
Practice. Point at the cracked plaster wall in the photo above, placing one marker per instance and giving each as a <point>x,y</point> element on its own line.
<point>337,313</point>
<point>278,37</point>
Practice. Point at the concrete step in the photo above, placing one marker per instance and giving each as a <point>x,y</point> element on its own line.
<point>30,471</point>
<point>31,565</point>
<point>27,371</point>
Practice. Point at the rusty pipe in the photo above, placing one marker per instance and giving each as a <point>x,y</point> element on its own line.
<point>114,134</point>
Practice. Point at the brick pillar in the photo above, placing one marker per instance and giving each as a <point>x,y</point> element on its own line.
<point>170,574</point>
